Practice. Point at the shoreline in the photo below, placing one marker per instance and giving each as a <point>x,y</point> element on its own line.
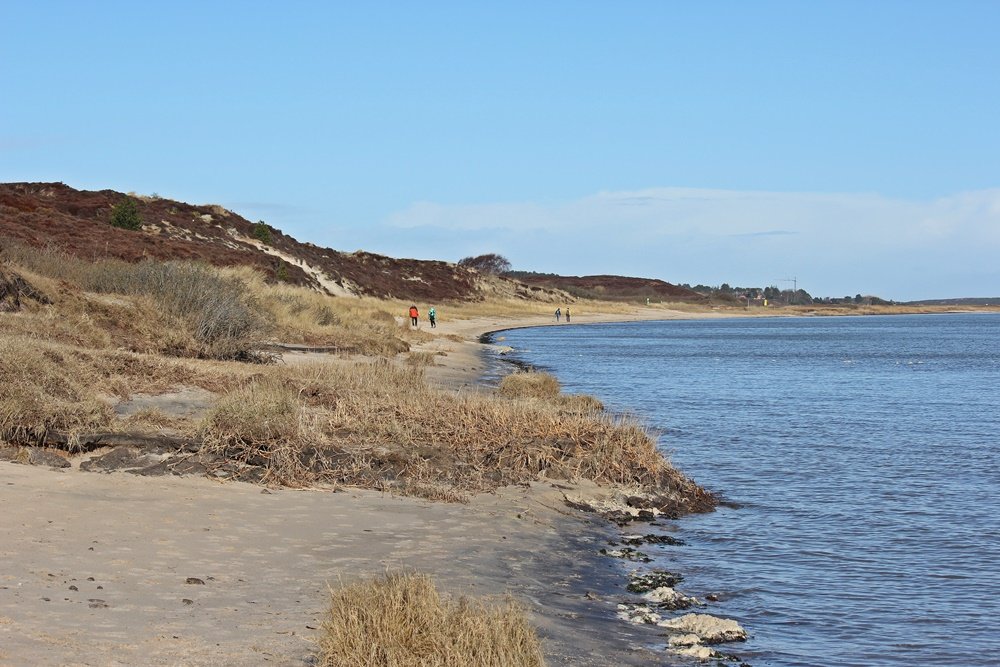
<point>113,568</point>
<point>98,563</point>
<point>638,615</point>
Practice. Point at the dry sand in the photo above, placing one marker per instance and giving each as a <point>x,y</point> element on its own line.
<point>129,545</point>
<point>94,567</point>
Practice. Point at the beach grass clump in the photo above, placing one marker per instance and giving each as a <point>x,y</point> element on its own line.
<point>401,620</point>
<point>529,384</point>
<point>45,388</point>
<point>545,387</point>
<point>264,424</point>
<point>580,403</point>
<point>421,358</point>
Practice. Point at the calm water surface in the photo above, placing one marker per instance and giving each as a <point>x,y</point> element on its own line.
<point>863,453</point>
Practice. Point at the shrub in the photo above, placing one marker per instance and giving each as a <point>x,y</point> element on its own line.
<point>125,215</point>
<point>219,311</point>
<point>222,315</point>
<point>400,620</point>
<point>262,232</point>
<point>491,263</point>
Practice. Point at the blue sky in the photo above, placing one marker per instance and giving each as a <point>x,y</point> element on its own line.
<point>853,145</point>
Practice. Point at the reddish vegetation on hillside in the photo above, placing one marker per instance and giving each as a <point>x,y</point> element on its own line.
<point>615,288</point>
<point>78,222</point>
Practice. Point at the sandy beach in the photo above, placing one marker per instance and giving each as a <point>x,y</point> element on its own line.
<point>118,569</point>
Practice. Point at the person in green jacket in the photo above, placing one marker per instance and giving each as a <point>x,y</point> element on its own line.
<point>432,315</point>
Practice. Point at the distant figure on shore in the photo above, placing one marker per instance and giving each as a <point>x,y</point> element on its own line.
<point>558,314</point>
<point>567,316</point>
<point>432,316</point>
<point>414,316</point>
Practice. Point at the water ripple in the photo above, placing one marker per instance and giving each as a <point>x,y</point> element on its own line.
<point>862,454</point>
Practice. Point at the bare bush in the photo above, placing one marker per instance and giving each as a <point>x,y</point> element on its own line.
<point>220,312</point>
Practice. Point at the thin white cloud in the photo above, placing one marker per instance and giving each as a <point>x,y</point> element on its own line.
<point>835,243</point>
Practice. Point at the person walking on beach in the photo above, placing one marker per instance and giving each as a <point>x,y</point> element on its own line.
<point>414,316</point>
<point>558,314</point>
<point>432,316</point>
<point>567,315</point>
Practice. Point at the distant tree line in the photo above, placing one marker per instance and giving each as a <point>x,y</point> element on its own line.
<point>774,295</point>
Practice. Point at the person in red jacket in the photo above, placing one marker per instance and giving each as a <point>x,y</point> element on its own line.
<point>414,315</point>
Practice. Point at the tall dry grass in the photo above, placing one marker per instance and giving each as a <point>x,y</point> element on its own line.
<point>264,423</point>
<point>218,313</point>
<point>401,620</point>
<point>45,388</point>
<point>52,386</point>
<point>380,426</point>
<point>355,326</point>
<point>535,385</point>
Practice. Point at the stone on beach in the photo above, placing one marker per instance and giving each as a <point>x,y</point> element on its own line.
<point>696,651</point>
<point>710,629</point>
<point>627,553</point>
<point>684,640</point>
<point>665,596</point>
<point>639,614</point>
<point>643,583</point>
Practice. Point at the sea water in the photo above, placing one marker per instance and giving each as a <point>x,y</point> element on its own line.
<point>861,457</point>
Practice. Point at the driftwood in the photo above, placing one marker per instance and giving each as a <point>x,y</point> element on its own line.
<point>293,347</point>
<point>87,442</point>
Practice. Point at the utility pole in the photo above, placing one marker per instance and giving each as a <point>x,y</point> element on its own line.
<point>793,280</point>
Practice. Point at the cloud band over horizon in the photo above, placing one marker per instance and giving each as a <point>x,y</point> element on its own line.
<point>835,244</point>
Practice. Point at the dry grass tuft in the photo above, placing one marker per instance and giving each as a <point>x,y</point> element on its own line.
<point>45,388</point>
<point>582,403</point>
<point>263,424</point>
<point>529,385</point>
<point>401,620</point>
<point>534,385</point>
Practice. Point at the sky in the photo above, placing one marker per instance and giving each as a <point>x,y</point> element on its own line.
<point>851,146</point>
